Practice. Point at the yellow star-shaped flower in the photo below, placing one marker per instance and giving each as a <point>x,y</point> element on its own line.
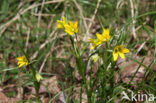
<point>101,38</point>
<point>22,61</point>
<point>61,23</point>
<point>95,43</point>
<point>71,28</point>
<point>119,50</point>
<point>104,37</point>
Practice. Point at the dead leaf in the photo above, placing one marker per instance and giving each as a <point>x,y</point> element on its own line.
<point>3,98</point>
<point>52,85</point>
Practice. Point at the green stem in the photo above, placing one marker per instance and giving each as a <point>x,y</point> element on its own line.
<point>81,68</point>
<point>36,84</point>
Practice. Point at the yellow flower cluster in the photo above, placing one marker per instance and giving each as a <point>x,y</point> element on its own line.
<point>70,28</point>
<point>101,38</point>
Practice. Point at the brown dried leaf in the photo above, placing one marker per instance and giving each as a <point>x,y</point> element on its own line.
<point>52,85</point>
<point>5,99</point>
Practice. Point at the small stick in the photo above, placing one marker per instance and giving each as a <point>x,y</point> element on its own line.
<point>132,14</point>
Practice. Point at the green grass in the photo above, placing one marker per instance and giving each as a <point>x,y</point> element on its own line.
<point>29,26</point>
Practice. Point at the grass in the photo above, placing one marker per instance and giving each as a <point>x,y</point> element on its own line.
<point>29,27</point>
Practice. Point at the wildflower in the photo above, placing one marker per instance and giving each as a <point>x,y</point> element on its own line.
<point>61,24</point>
<point>38,77</point>
<point>71,28</point>
<point>101,38</point>
<point>95,57</point>
<point>104,37</point>
<point>119,50</point>
<point>95,43</point>
<point>22,61</point>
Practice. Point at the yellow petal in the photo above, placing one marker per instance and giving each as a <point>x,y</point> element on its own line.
<point>60,24</point>
<point>76,24</point>
<point>64,20</point>
<point>92,47</point>
<point>125,50</point>
<point>108,37</point>
<point>20,62</point>
<point>19,58</point>
<point>106,34</point>
<point>106,31</point>
<point>76,30</point>
<point>91,40</point>
<point>115,56</point>
<point>21,65</point>
<point>99,36</point>
<point>122,55</point>
<point>71,23</point>
<point>69,32</point>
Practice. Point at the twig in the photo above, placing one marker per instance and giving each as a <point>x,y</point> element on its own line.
<point>45,59</point>
<point>132,14</point>
<point>81,14</point>
<point>142,45</point>
<point>41,14</point>
<point>93,17</point>
<point>39,17</point>
<point>27,41</point>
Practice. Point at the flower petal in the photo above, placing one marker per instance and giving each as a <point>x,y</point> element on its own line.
<point>122,55</point>
<point>106,32</point>
<point>76,24</point>
<point>21,65</point>
<point>60,24</point>
<point>69,32</point>
<point>71,23</point>
<point>19,58</point>
<point>92,47</point>
<point>64,20</point>
<point>115,56</point>
<point>125,50</point>
<point>99,36</point>
<point>91,40</point>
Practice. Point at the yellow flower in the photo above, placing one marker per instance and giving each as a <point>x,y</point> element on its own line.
<point>61,24</point>
<point>104,37</point>
<point>38,77</point>
<point>95,43</point>
<point>119,50</point>
<point>106,34</point>
<point>95,57</point>
<point>71,28</point>
<point>101,38</point>
<point>22,61</point>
